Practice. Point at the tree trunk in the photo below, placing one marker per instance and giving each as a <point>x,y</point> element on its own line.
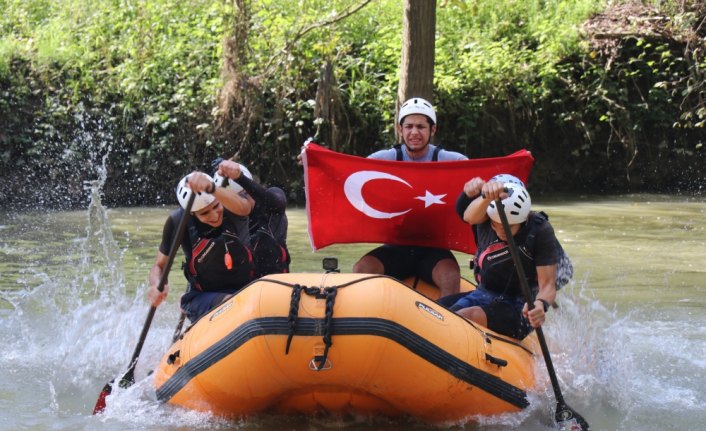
<point>334,131</point>
<point>238,111</point>
<point>417,66</point>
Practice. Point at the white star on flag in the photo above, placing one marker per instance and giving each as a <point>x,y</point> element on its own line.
<point>431,199</point>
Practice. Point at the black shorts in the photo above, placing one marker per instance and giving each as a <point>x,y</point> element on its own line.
<point>402,261</point>
<point>195,303</point>
<point>504,315</point>
<point>503,318</point>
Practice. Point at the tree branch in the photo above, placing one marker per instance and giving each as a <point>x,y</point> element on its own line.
<point>304,30</point>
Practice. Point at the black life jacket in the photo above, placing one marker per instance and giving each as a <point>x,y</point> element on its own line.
<point>220,263</point>
<point>565,268</point>
<point>400,155</point>
<point>270,256</point>
<point>495,269</point>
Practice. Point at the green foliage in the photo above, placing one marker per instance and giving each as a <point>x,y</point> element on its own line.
<point>149,69</point>
<point>364,48</point>
<point>160,58</point>
<point>492,44</point>
<point>649,101</point>
<point>145,77</point>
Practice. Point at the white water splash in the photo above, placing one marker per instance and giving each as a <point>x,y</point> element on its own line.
<point>72,326</point>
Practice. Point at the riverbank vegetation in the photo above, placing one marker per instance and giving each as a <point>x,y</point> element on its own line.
<point>610,96</point>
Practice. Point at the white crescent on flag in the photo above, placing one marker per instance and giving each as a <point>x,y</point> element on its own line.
<point>353,189</point>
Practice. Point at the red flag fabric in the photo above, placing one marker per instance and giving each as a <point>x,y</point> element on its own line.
<point>352,199</point>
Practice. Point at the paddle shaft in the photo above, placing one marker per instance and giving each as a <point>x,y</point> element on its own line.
<point>564,412</point>
<point>528,298</point>
<point>176,242</point>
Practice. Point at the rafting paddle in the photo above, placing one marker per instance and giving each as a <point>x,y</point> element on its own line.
<point>129,378</point>
<point>566,418</point>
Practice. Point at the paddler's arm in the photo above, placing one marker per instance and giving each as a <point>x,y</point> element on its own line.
<point>546,278</point>
<point>235,202</point>
<point>153,295</point>
<point>230,199</point>
<point>477,210</point>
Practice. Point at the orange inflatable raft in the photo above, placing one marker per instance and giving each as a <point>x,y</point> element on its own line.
<point>340,344</point>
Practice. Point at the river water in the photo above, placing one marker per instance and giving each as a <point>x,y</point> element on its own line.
<point>628,341</point>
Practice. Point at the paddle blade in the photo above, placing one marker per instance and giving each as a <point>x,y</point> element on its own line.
<point>568,420</point>
<point>127,381</point>
<point>100,403</point>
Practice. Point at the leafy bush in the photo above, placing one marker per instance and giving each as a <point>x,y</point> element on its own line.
<point>139,89</point>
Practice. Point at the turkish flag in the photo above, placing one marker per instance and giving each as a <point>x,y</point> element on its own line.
<point>353,199</point>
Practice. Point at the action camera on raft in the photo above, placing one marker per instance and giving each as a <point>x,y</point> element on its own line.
<point>330,264</point>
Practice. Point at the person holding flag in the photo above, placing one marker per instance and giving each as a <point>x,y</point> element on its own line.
<point>416,126</point>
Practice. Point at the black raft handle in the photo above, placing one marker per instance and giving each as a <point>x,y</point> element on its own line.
<point>496,361</point>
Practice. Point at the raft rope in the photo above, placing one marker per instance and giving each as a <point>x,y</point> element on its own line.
<point>328,293</point>
<point>293,314</point>
<point>328,326</point>
<point>294,309</point>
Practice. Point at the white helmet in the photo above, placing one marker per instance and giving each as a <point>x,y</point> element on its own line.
<point>517,205</point>
<point>417,105</point>
<point>231,183</point>
<point>202,199</point>
<point>507,178</point>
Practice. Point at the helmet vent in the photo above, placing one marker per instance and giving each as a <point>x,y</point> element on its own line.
<point>517,204</point>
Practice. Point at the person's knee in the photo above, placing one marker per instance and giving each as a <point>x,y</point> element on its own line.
<point>447,276</point>
<point>368,265</point>
<point>447,268</point>
<point>474,314</point>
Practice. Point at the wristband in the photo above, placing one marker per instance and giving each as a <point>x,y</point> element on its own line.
<point>545,303</point>
<point>213,188</point>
